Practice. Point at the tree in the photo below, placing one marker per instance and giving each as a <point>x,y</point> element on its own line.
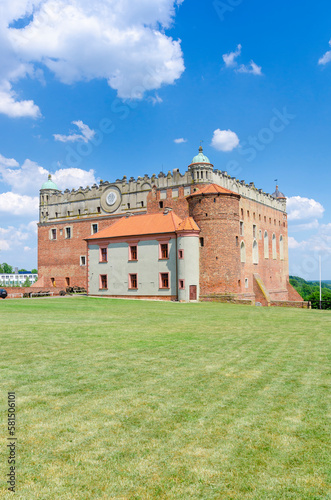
<point>27,282</point>
<point>7,269</point>
<point>34,271</point>
<point>326,299</point>
<point>23,271</point>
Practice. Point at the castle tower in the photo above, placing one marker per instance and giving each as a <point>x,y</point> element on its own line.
<point>201,169</point>
<point>280,197</point>
<point>47,189</point>
<point>216,211</point>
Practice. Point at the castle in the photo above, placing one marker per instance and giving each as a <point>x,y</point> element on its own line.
<point>174,236</point>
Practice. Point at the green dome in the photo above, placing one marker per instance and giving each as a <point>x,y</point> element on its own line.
<point>50,184</point>
<point>200,158</point>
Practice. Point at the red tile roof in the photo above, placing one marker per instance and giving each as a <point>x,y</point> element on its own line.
<point>188,224</point>
<point>136,225</point>
<point>213,189</point>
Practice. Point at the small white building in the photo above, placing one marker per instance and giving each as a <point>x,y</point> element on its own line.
<point>155,256</point>
<point>17,279</point>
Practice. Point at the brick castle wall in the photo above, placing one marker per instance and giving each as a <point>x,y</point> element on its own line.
<point>60,259</point>
<point>273,272</point>
<point>218,219</point>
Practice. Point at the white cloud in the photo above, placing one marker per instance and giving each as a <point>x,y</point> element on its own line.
<point>73,178</point>
<point>293,243</point>
<point>224,140</point>
<point>300,208</point>
<point>86,134</point>
<point>28,179</point>
<point>8,162</point>
<point>180,140</point>
<point>14,238</point>
<point>122,41</point>
<point>230,59</point>
<point>17,109</point>
<point>17,204</point>
<point>251,68</point>
<point>326,58</point>
<point>305,226</point>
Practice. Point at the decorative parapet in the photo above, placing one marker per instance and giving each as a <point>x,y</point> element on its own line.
<point>133,194</point>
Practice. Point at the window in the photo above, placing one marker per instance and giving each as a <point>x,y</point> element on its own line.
<point>133,282</point>
<point>274,249</point>
<point>242,213</point>
<point>246,282</point>
<point>103,254</point>
<point>247,213</point>
<point>202,242</point>
<point>103,282</point>
<point>237,241</point>
<point>129,206</point>
<point>181,254</point>
<point>68,233</point>
<point>254,231</point>
<point>266,245</point>
<point>281,248</point>
<point>94,228</point>
<point>181,284</point>
<point>98,210</point>
<point>164,280</point>
<point>164,253</point>
<point>255,252</point>
<point>67,281</point>
<point>160,204</point>
<point>259,216</point>
<point>269,220</point>
<point>53,234</point>
<point>82,260</point>
<point>260,234</point>
<point>242,252</point>
<point>241,228</point>
<point>133,254</point>
<point>254,215</point>
<point>53,282</point>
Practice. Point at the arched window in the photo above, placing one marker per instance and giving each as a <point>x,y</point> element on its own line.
<point>266,245</point>
<point>242,252</point>
<point>255,252</point>
<point>274,249</point>
<point>281,248</point>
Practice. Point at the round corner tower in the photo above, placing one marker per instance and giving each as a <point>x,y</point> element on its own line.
<point>216,211</point>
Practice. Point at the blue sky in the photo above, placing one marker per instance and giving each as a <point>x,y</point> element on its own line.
<point>90,92</point>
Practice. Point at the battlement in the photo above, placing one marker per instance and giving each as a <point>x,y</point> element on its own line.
<point>131,194</point>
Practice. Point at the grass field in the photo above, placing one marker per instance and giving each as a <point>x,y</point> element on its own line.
<point>122,399</point>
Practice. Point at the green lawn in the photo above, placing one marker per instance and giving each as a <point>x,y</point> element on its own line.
<point>121,399</point>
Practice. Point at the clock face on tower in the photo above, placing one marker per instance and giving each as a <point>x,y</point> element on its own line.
<point>111,198</point>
